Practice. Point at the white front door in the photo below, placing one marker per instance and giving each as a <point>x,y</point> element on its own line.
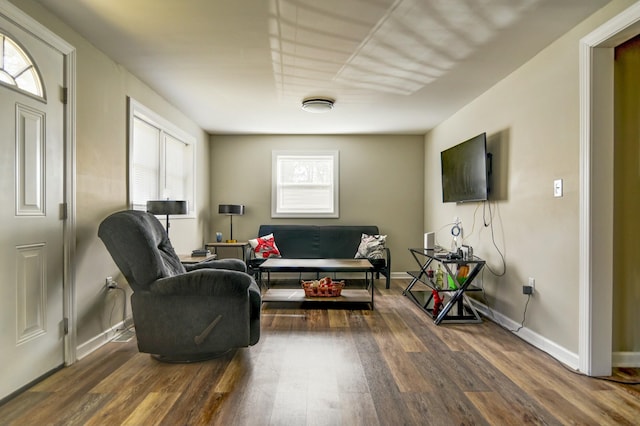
<point>32,173</point>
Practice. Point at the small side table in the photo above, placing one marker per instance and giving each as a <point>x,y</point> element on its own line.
<point>242,245</point>
<point>187,259</point>
<point>424,295</point>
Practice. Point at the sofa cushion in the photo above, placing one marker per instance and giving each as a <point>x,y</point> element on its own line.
<point>294,241</point>
<point>371,247</point>
<point>341,242</point>
<point>265,247</point>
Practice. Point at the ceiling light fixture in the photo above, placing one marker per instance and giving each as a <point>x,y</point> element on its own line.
<point>317,105</point>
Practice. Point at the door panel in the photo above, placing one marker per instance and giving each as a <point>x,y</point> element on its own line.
<point>31,227</point>
<point>31,292</point>
<point>30,161</point>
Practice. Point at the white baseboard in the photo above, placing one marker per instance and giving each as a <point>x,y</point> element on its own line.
<point>102,339</point>
<point>558,352</point>
<point>626,359</point>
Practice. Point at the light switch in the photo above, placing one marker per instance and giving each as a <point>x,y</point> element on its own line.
<point>557,188</point>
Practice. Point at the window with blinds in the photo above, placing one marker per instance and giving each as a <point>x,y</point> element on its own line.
<point>305,184</point>
<point>161,160</point>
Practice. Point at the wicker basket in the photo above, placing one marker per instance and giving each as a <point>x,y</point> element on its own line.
<point>322,288</point>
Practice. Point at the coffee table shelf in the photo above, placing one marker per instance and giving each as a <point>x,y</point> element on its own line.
<point>297,295</point>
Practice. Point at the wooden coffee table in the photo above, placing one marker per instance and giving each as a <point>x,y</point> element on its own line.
<point>348,295</point>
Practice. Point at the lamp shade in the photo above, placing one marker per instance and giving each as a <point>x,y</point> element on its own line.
<point>167,207</point>
<point>231,209</point>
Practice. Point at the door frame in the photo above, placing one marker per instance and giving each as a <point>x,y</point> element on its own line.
<point>21,19</point>
<point>595,349</point>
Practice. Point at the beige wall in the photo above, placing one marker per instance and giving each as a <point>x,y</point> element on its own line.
<point>101,182</point>
<point>380,184</point>
<point>626,259</point>
<point>532,121</point>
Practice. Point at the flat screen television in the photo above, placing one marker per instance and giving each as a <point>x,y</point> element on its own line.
<point>465,171</point>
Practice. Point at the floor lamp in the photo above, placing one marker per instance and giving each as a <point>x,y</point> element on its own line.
<point>167,207</point>
<point>231,210</point>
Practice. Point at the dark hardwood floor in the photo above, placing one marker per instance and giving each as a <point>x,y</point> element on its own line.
<point>390,366</point>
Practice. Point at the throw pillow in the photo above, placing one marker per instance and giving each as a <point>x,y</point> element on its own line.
<point>371,247</point>
<point>265,247</point>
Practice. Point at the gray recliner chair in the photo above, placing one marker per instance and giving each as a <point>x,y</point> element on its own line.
<point>181,314</point>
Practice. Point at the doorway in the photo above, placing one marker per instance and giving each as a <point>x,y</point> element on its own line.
<point>596,189</point>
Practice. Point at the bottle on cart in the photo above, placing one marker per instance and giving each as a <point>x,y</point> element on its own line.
<point>439,277</point>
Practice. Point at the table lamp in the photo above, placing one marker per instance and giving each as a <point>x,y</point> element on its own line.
<point>167,207</point>
<point>231,210</point>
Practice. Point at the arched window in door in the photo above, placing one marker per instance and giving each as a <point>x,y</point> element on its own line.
<point>17,70</point>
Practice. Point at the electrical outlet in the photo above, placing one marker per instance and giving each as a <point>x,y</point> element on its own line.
<point>529,289</point>
<point>110,283</point>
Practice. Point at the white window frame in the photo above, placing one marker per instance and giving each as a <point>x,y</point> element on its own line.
<point>167,131</point>
<point>283,205</point>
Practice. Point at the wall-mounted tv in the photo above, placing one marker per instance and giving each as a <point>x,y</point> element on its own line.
<point>465,171</point>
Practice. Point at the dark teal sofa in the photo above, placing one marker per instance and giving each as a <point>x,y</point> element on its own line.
<point>320,242</point>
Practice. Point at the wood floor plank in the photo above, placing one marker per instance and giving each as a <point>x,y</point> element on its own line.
<point>627,411</point>
<point>526,406</point>
<point>199,403</point>
<point>357,409</point>
<point>234,372</point>
<point>176,379</point>
<point>442,408</point>
<point>461,369</point>
<point>338,318</point>
<point>129,385</point>
<point>131,372</point>
<point>403,334</point>
<point>320,365</point>
<point>251,401</point>
<point>21,406</point>
<point>77,411</point>
<point>152,409</point>
<point>422,327</point>
<point>396,359</point>
<point>562,408</point>
<point>350,373</point>
<point>387,399</point>
<point>498,411</point>
<point>107,359</point>
<point>83,409</point>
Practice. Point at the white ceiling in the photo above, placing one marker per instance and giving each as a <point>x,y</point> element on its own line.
<point>392,66</point>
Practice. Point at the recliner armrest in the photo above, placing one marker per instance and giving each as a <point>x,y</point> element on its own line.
<point>206,282</point>
<point>230,264</point>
